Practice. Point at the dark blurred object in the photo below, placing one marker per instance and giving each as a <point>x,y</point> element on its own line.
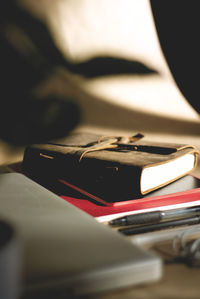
<point>27,57</point>
<point>178,28</point>
<point>106,65</point>
<point>10,262</point>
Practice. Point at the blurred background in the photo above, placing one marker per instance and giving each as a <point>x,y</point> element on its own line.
<point>115,72</point>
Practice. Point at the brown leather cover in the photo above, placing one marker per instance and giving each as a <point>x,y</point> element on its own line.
<point>111,173</point>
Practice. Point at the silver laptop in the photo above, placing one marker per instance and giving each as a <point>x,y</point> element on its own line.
<point>65,248</point>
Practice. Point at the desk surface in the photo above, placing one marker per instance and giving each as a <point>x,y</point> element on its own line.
<point>178,282</point>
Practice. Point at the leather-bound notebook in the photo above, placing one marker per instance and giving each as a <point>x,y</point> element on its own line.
<point>112,168</point>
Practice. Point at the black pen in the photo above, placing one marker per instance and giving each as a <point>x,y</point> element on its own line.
<point>154,217</point>
<point>158,226</point>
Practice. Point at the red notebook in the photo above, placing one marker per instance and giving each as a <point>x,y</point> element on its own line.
<point>182,193</point>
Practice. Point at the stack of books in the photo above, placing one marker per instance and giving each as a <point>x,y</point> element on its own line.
<point>111,177</point>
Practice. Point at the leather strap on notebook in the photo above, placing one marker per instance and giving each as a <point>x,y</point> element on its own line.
<point>109,142</point>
